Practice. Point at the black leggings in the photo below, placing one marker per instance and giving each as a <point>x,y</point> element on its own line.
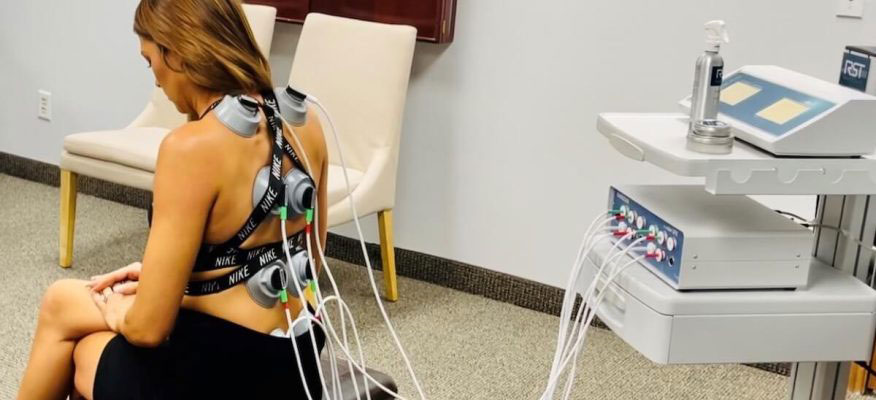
<point>208,358</point>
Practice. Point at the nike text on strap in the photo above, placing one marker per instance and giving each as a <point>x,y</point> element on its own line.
<point>275,124</point>
<point>272,196</point>
<point>241,274</point>
<point>215,260</point>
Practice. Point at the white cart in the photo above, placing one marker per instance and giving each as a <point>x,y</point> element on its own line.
<point>844,187</point>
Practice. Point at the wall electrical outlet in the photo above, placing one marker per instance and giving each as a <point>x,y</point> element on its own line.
<point>45,106</point>
<point>850,8</point>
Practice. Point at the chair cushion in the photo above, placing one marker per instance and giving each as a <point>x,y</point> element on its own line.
<point>337,189</point>
<point>108,171</point>
<point>131,147</point>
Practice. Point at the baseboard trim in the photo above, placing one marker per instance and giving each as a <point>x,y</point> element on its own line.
<point>423,267</point>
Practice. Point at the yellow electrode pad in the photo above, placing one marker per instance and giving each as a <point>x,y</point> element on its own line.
<point>737,93</point>
<point>782,111</point>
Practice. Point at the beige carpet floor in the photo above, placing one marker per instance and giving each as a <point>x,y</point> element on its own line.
<point>462,346</point>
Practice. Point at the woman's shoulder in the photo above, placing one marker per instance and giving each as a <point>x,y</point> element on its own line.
<point>186,162</point>
<point>190,144</point>
<point>190,138</point>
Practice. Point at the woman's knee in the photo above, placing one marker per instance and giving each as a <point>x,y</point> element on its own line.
<point>58,295</point>
<point>67,305</point>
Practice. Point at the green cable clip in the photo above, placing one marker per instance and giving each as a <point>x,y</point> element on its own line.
<point>641,231</point>
<point>283,214</point>
<point>313,285</point>
<point>613,212</point>
<point>283,296</point>
<point>309,215</point>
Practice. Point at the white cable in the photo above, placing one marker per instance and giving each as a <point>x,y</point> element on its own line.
<point>294,136</point>
<point>342,309</point>
<point>298,359</point>
<point>594,305</point>
<point>586,295</point>
<point>609,257</point>
<point>346,353</point>
<point>327,315</point>
<point>577,276</point>
<point>569,296</point>
<point>345,349</point>
<point>314,272</point>
<point>563,341</point>
<point>591,310</point>
<point>321,300</point>
<point>325,266</point>
<point>303,300</point>
<point>313,100</point>
<point>615,274</point>
<point>333,336</point>
<point>569,305</point>
<point>577,347</point>
<point>569,299</point>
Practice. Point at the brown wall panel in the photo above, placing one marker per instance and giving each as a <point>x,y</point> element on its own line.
<point>287,10</point>
<point>434,19</point>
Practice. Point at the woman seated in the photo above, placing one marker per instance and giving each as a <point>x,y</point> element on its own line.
<point>151,331</point>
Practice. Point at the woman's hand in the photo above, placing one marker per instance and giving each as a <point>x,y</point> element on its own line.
<point>113,306</point>
<point>122,281</point>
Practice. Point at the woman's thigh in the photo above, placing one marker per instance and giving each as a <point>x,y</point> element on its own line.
<point>86,357</point>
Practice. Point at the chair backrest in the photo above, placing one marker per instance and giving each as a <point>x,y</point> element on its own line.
<point>161,112</point>
<point>360,71</point>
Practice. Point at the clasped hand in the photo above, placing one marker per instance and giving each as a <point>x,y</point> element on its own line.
<point>114,293</point>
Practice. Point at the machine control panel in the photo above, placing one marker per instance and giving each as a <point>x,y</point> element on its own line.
<point>663,243</point>
<point>693,240</point>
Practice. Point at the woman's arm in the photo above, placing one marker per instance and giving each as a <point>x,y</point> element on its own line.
<point>184,190</point>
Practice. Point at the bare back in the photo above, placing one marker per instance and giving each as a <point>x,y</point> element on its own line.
<point>237,160</point>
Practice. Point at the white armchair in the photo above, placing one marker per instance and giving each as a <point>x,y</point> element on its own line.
<point>128,156</point>
<point>360,71</point>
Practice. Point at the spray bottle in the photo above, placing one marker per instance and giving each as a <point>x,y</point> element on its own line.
<point>706,134</point>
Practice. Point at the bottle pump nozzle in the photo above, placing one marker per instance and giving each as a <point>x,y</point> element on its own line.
<point>716,33</point>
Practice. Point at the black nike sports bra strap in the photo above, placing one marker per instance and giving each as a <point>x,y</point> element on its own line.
<point>271,102</point>
<point>213,260</point>
<point>272,196</point>
<point>240,274</point>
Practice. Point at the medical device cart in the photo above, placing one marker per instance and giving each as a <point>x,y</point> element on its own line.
<point>845,188</point>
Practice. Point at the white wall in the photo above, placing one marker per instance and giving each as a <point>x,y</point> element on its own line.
<point>500,165</point>
<point>85,53</point>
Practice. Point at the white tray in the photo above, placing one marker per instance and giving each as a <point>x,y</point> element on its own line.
<point>672,327</point>
<point>660,139</point>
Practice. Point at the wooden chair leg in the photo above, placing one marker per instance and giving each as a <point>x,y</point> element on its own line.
<point>857,380</point>
<point>864,380</point>
<point>387,253</point>
<point>67,217</point>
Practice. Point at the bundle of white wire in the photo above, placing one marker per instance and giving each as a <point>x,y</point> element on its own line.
<point>328,328</point>
<point>571,339</point>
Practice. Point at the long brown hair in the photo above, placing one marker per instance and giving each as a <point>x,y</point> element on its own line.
<point>211,37</point>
